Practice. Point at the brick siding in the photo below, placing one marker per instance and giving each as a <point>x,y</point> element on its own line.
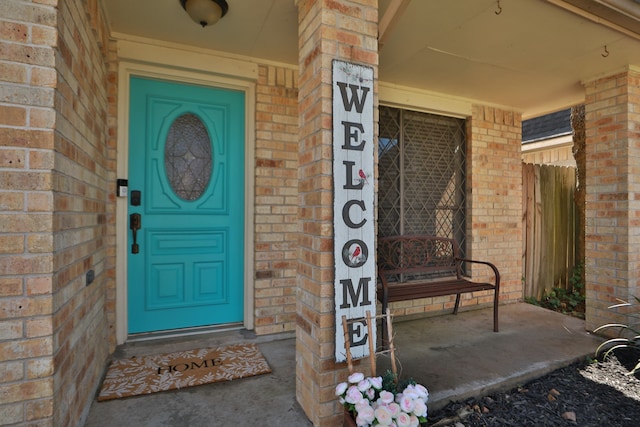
<point>52,205</point>
<point>111,155</point>
<point>494,197</point>
<point>276,199</point>
<point>58,139</point>
<point>612,248</point>
<point>81,192</point>
<point>27,93</point>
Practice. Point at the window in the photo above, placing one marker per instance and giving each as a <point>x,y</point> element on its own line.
<point>187,157</point>
<point>421,165</point>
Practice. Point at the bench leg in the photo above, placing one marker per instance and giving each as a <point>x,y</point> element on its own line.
<point>385,338</point>
<point>495,311</point>
<point>455,308</point>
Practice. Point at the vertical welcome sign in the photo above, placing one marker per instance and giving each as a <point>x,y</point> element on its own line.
<point>353,210</point>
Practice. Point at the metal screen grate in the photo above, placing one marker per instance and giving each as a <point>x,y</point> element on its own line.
<point>421,163</point>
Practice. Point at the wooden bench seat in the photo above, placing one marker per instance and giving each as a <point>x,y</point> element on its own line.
<point>413,267</point>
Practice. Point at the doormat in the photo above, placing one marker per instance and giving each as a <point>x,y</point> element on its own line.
<point>151,374</point>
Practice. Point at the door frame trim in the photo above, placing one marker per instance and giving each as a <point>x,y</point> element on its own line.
<point>126,69</point>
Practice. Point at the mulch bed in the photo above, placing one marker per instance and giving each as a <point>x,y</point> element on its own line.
<point>594,394</point>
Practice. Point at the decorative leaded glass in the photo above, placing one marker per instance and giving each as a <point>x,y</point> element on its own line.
<point>188,157</point>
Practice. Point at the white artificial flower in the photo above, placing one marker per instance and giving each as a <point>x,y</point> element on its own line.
<point>376,382</point>
<point>403,420</point>
<point>420,408</point>
<point>383,415</point>
<point>407,403</point>
<point>364,385</point>
<point>353,395</point>
<point>356,377</point>
<point>386,397</point>
<point>422,391</point>
<point>367,415</point>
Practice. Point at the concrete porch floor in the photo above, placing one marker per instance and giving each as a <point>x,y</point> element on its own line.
<point>455,357</point>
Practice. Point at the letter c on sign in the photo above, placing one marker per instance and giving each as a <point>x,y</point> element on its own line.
<point>345,213</point>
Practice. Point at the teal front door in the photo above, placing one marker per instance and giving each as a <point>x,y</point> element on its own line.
<point>185,206</point>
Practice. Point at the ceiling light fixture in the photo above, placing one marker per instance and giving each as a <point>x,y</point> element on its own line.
<point>205,12</point>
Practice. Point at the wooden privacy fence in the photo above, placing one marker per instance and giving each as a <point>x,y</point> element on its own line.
<point>549,227</point>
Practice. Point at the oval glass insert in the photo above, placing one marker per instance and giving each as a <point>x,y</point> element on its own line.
<point>188,157</point>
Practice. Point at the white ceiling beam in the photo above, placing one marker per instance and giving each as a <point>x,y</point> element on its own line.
<point>602,14</point>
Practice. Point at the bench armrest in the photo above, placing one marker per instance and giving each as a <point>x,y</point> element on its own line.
<point>383,280</point>
<point>496,273</point>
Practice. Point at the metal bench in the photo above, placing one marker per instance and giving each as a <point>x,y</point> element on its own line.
<point>412,267</point>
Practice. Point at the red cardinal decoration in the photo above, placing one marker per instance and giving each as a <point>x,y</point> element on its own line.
<point>363,176</point>
<point>355,253</point>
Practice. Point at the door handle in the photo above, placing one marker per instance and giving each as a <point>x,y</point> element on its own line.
<point>135,224</point>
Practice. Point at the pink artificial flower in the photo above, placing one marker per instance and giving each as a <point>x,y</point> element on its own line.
<point>386,397</point>
<point>403,420</point>
<point>420,408</point>
<point>411,392</point>
<point>371,393</point>
<point>414,421</point>
<point>361,422</point>
<point>353,395</point>
<point>366,415</point>
<point>364,385</point>
<point>376,382</point>
<point>407,403</point>
<point>422,391</point>
<point>383,415</point>
<point>394,408</point>
<point>356,377</point>
<point>341,388</point>
<point>362,405</point>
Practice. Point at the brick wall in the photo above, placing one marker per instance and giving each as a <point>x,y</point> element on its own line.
<point>80,191</point>
<point>276,203</point>
<point>612,121</point>
<point>494,198</point>
<point>27,70</point>
<point>111,155</point>
<point>52,204</point>
<point>327,30</point>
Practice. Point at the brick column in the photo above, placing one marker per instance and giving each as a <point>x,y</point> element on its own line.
<point>494,196</point>
<point>612,230</point>
<point>27,82</point>
<point>53,194</point>
<point>83,195</point>
<point>345,30</point>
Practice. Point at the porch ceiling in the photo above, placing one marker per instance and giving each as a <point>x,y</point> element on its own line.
<point>532,56</point>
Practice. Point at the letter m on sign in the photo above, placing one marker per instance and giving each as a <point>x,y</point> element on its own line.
<point>351,296</point>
